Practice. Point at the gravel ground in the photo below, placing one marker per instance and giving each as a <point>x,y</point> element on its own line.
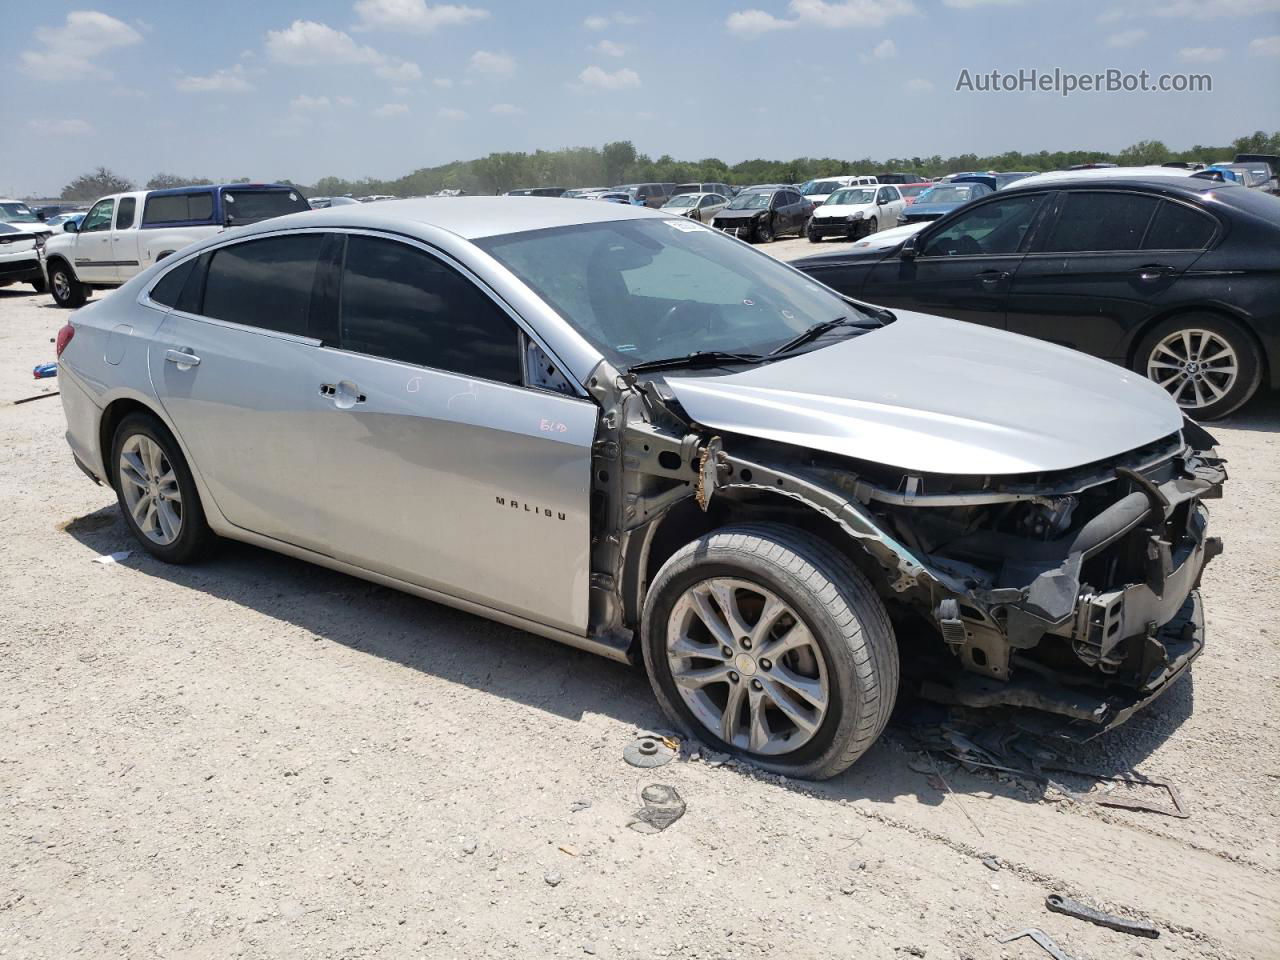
<point>260,758</point>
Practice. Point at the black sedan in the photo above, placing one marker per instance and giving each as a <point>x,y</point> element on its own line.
<point>761,214</point>
<point>1174,277</point>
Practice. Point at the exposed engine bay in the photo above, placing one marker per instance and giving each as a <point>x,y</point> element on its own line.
<point>1073,592</point>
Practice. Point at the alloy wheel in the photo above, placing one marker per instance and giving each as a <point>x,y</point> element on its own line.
<point>149,484</point>
<point>61,285</point>
<point>1197,367</point>
<point>746,666</point>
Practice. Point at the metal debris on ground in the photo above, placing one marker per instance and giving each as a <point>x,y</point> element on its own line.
<point>992,863</point>
<point>38,396</point>
<point>663,806</point>
<point>1040,937</point>
<point>649,751</point>
<point>109,558</point>
<point>579,805</point>
<point>1074,908</point>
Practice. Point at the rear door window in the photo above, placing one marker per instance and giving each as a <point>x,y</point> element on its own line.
<point>264,283</point>
<point>124,213</point>
<point>178,208</point>
<point>1178,227</point>
<point>1101,221</point>
<point>400,303</point>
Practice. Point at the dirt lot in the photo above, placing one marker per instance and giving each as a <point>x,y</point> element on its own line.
<point>259,758</point>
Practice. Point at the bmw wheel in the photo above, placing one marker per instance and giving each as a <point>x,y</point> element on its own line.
<point>766,643</point>
<point>1207,363</point>
<point>156,491</point>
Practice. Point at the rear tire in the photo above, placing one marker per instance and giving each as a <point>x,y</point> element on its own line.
<point>847,651</point>
<point>1208,363</point>
<point>68,292</point>
<point>157,489</point>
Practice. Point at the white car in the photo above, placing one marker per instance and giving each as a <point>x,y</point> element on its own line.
<point>696,206</point>
<point>125,233</point>
<point>889,238</point>
<point>22,234</point>
<point>817,191</point>
<point>856,212</point>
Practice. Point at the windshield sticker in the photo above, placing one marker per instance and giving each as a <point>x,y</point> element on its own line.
<point>685,226</point>
<point>625,348</point>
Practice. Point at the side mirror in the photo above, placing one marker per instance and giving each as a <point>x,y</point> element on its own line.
<point>71,227</point>
<point>227,220</point>
<point>41,216</point>
<point>909,248</point>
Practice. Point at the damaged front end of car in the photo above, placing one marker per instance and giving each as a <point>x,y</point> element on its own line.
<point>1071,592</point>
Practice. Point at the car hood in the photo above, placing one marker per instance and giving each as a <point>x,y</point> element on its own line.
<point>843,209</point>
<point>933,395</point>
<point>918,209</point>
<point>727,214</point>
<point>33,229</point>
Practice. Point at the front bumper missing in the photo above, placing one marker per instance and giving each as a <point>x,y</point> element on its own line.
<point>1082,713</point>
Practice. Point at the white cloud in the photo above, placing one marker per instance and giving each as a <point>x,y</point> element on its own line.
<point>344,101</point>
<point>414,16</point>
<point>600,79</point>
<point>1188,9</point>
<point>69,49</point>
<point>506,110</point>
<point>918,85</point>
<point>604,22</point>
<point>391,110</point>
<point>305,43</point>
<point>971,4</point>
<point>444,83</point>
<point>307,104</point>
<point>233,79</point>
<point>1201,54</point>
<point>1265,46</point>
<point>823,14</point>
<point>398,71</point>
<point>451,113</point>
<point>59,128</point>
<point>885,50</point>
<point>1126,38</point>
<point>492,64</point>
<point>609,48</point>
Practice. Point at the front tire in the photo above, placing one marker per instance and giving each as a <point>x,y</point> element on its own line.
<point>764,231</point>
<point>812,234</point>
<point>1208,363</point>
<point>766,643</point>
<point>873,226</point>
<point>156,491</point>
<point>68,292</point>
<point>39,285</point>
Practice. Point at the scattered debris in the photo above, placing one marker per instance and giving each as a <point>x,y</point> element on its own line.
<point>1111,799</point>
<point>468,846</point>
<point>649,751</point>
<point>938,774</point>
<point>552,878</point>
<point>663,806</point>
<point>42,370</point>
<point>109,558</point>
<point>571,851</point>
<point>1041,938</point>
<point>1074,908</point>
<point>38,396</point>
<point>579,805</point>
<point>992,863</point>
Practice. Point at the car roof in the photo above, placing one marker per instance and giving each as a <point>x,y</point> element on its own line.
<point>1167,183</point>
<point>468,217</point>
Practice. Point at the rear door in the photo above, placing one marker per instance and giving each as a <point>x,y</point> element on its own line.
<point>963,266</point>
<point>124,238</point>
<point>236,369</point>
<point>95,261</point>
<point>437,465</point>
<point>1096,275</point>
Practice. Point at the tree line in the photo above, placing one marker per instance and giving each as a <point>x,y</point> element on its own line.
<point>620,162</point>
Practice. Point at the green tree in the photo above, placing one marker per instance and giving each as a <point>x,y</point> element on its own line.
<point>163,181</point>
<point>1144,152</point>
<point>619,156</point>
<point>91,186</point>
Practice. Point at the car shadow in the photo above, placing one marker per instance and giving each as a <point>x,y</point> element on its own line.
<point>1261,414</point>
<point>547,676</point>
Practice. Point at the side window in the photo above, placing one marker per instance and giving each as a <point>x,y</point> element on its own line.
<point>397,302</point>
<point>124,213</point>
<point>1178,227</point>
<point>99,218</point>
<point>991,228</point>
<point>178,208</point>
<point>264,283</point>
<point>169,288</point>
<point>1101,221</point>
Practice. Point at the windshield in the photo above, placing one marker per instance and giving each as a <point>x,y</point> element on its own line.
<point>852,196</point>
<point>649,289</point>
<point>17,213</point>
<point>684,200</point>
<point>750,201</point>
<point>948,193</point>
<point>914,190</point>
<point>250,206</point>
<point>821,187</point>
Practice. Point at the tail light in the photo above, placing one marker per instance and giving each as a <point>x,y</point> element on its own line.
<point>64,337</point>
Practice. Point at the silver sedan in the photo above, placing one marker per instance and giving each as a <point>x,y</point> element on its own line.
<point>633,434</point>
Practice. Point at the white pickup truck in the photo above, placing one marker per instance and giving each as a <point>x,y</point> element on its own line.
<point>125,233</point>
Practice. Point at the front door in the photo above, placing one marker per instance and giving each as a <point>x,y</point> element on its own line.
<point>437,465</point>
<point>963,267</point>
<point>95,261</point>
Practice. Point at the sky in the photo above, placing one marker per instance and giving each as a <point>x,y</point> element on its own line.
<point>273,89</point>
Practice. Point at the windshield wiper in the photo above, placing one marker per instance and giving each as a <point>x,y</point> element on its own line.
<point>696,358</point>
<point>814,332</point>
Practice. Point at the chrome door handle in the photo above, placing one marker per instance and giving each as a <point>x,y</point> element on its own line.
<point>344,394</point>
<point>993,276</point>
<point>182,358</point>
<point>1154,271</point>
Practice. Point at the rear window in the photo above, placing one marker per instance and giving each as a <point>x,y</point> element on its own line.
<point>178,208</point>
<point>250,206</point>
<point>170,287</point>
<point>1178,227</point>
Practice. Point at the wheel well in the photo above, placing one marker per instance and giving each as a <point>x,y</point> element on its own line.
<point>1131,355</point>
<point>63,260</point>
<point>116,411</point>
<point>685,522</point>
